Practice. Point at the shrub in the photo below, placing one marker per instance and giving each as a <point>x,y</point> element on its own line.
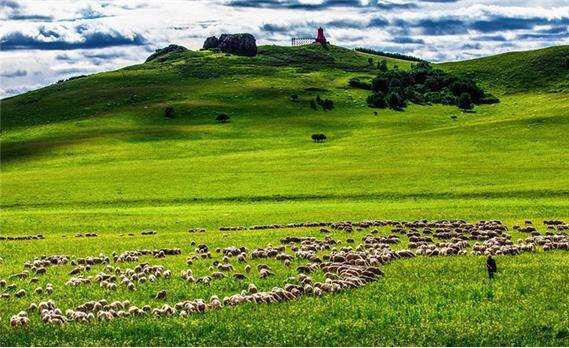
<point>356,83</point>
<point>222,118</point>
<point>464,101</point>
<point>327,104</point>
<point>377,100</point>
<point>382,65</point>
<point>380,84</point>
<point>423,84</point>
<point>294,98</point>
<point>370,61</point>
<point>169,112</point>
<point>318,138</point>
<point>313,104</point>
<point>395,101</point>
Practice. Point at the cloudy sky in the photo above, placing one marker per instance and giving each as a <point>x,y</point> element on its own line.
<point>45,41</point>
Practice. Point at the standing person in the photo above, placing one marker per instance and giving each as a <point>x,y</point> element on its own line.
<point>491,266</point>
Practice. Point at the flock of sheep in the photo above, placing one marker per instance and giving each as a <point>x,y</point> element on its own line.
<point>343,264</point>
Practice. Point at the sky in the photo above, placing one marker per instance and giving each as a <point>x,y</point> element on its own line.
<point>42,41</point>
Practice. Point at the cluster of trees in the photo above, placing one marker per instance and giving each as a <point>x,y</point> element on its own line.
<point>326,104</point>
<point>389,54</point>
<point>423,84</point>
<point>318,138</point>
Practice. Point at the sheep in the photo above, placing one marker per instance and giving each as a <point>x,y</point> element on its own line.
<point>20,293</point>
<point>247,268</point>
<point>214,302</point>
<point>252,288</point>
<point>160,295</point>
<point>239,276</point>
<point>264,273</point>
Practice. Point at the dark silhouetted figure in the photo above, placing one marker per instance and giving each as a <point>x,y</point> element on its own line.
<point>491,266</point>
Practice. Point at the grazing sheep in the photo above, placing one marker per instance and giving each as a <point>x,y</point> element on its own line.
<point>248,268</point>
<point>161,295</point>
<point>252,288</point>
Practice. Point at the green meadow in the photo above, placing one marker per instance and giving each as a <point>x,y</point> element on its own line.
<point>97,155</point>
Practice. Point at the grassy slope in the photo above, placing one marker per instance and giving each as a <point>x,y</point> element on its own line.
<point>96,154</point>
<point>544,69</point>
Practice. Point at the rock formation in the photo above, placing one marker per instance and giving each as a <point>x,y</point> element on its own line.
<point>239,44</point>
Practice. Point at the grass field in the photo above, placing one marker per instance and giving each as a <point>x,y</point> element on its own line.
<point>96,154</point>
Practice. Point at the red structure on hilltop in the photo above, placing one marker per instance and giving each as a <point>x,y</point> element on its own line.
<point>320,38</point>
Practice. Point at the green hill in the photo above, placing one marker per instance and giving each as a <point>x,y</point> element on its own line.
<point>168,76</point>
<point>543,70</point>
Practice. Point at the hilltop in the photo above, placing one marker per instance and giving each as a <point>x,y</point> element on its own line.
<point>545,69</point>
<point>167,75</point>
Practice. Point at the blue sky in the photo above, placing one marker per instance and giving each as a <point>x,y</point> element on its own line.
<point>45,41</point>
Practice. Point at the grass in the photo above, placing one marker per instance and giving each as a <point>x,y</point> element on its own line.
<point>96,154</point>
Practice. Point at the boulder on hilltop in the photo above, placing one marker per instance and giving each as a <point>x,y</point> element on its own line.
<point>240,44</point>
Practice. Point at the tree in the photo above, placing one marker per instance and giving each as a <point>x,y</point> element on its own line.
<point>382,65</point>
<point>370,61</point>
<point>327,104</point>
<point>377,100</point>
<point>169,112</point>
<point>222,118</point>
<point>464,101</point>
<point>380,84</point>
<point>395,101</point>
<point>318,137</point>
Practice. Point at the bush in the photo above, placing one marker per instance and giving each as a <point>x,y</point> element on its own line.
<point>382,65</point>
<point>370,61</point>
<point>377,100</point>
<point>395,101</point>
<point>423,84</point>
<point>464,101</point>
<point>222,118</point>
<point>327,104</point>
<point>169,112</point>
<point>318,138</point>
<point>356,83</point>
<point>380,84</point>
<point>313,104</point>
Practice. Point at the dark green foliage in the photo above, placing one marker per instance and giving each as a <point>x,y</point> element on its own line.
<point>464,101</point>
<point>164,52</point>
<point>169,112</point>
<point>382,65</point>
<point>377,100</point>
<point>423,84</point>
<point>294,98</point>
<point>389,54</point>
<point>222,118</point>
<point>313,104</point>
<point>370,61</point>
<point>326,104</point>
<point>357,83</point>
<point>395,100</point>
<point>318,138</point>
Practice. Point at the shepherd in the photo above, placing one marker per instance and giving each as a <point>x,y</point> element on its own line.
<point>491,266</point>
